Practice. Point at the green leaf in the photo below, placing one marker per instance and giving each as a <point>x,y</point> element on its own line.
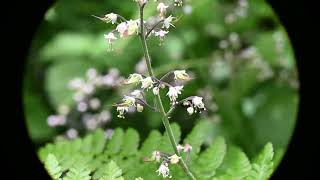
<point>53,167</point>
<point>262,167</point>
<point>151,143</point>
<point>112,172</point>
<point>236,165</point>
<point>130,143</point>
<point>91,158</point>
<point>114,145</point>
<point>197,137</point>
<point>211,159</point>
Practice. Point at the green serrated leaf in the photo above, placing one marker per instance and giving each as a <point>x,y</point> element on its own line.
<point>211,159</point>
<point>130,143</point>
<point>114,145</point>
<point>53,167</point>
<point>262,167</point>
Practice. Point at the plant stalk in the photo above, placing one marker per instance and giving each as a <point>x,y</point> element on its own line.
<point>164,118</point>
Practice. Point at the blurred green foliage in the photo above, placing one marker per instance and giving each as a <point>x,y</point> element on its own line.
<point>250,112</point>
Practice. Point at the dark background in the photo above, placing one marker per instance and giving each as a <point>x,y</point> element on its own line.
<point>21,20</point>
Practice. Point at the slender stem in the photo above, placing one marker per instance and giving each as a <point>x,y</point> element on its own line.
<point>164,118</point>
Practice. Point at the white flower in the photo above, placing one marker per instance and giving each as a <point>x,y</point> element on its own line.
<point>94,103</point>
<point>187,9</point>
<point>181,75</point>
<point>134,78</point>
<point>146,83</point>
<point>163,170</point>
<point>63,109</point>
<point>161,34</point>
<point>128,100</point>
<point>111,18</point>
<point>110,37</point>
<point>173,93</point>
<point>82,107</point>
<point>122,28</point>
<point>137,94</point>
<point>132,27</point>
<point>72,133</point>
<point>167,22</point>
<point>174,159</point>
<point>156,155</point>
<point>162,8</point>
<point>122,110</point>
<point>155,90</point>
<point>197,102</point>
<point>139,108</point>
<point>190,110</point>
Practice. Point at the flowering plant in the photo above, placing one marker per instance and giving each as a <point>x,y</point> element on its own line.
<point>160,28</point>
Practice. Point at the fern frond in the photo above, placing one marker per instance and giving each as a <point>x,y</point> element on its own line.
<point>263,165</point>
<point>94,157</point>
<point>53,167</point>
<point>208,161</point>
<point>236,165</point>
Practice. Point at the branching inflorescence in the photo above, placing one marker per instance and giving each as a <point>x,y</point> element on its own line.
<point>137,99</point>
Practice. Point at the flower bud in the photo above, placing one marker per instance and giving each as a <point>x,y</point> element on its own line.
<point>174,159</point>
<point>155,90</point>
<point>190,110</point>
<point>111,18</point>
<point>139,108</point>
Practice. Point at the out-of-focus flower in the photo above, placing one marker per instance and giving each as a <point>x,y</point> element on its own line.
<point>82,106</point>
<point>111,17</point>
<point>134,78</point>
<point>167,22</point>
<point>132,27</point>
<point>110,37</point>
<point>137,94</point>
<point>122,28</point>
<point>147,83</point>
<point>161,34</point>
<point>162,8</point>
<point>94,103</point>
<point>72,133</point>
<point>181,75</point>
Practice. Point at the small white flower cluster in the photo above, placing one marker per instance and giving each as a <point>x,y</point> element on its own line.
<point>166,159</point>
<point>125,28</point>
<point>240,12</point>
<point>194,105</point>
<point>148,83</point>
